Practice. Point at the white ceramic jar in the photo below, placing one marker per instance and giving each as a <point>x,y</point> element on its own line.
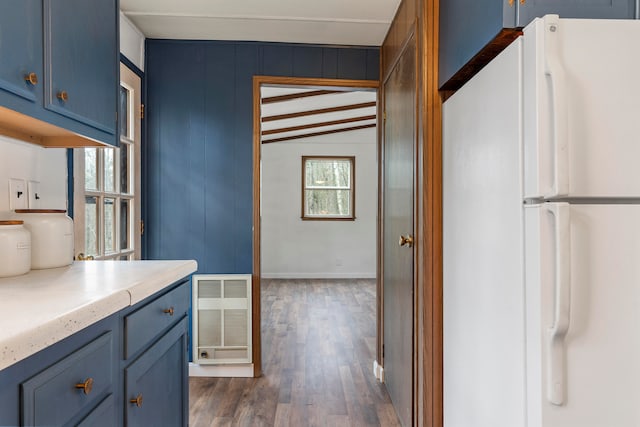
<point>51,237</point>
<point>15,249</point>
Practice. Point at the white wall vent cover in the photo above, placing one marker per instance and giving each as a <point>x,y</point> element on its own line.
<point>221,318</point>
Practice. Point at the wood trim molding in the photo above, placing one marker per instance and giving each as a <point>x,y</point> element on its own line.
<point>319,111</point>
<point>258,81</point>
<point>319,124</point>
<point>431,376</point>
<point>325,132</point>
<point>289,97</point>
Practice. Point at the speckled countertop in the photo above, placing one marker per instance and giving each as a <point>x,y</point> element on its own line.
<point>45,306</point>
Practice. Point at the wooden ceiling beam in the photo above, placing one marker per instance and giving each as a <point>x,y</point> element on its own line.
<point>289,97</point>
<point>319,111</point>
<point>319,124</point>
<point>326,132</point>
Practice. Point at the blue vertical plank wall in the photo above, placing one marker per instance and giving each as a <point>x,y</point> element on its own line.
<point>200,140</point>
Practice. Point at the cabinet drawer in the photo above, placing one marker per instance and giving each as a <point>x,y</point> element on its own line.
<point>141,326</point>
<point>54,396</point>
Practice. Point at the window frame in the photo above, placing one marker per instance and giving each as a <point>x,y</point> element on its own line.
<point>130,141</point>
<point>352,188</point>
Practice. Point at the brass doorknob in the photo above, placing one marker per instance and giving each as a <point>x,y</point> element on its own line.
<point>82,257</point>
<point>86,386</point>
<point>137,401</point>
<point>63,96</point>
<point>406,240</point>
<point>32,78</point>
<point>168,311</point>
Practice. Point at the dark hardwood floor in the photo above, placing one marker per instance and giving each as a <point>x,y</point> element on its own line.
<point>318,346</point>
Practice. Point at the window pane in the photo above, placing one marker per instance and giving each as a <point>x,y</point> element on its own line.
<point>124,225</point>
<point>125,150</point>
<point>109,169</point>
<point>123,114</point>
<point>91,225</point>
<point>109,225</point>
<point>328,202</point>
<point>328,173</point>
<point>90,169</point>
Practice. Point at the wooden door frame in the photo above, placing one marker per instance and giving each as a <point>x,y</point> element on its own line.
<point>258,81</point>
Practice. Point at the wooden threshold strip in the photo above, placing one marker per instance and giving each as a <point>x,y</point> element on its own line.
<point>319,111</point>
<point>319,124</point>
<point>289,97</point>
<point>326,132</point>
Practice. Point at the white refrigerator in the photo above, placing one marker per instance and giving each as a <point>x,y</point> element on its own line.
<point>541,216</point>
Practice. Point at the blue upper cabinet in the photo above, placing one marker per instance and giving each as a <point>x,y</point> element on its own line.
<point>474,32</point>
<point>59,64</point>
<point>21,49</point>
<point>81,71</point>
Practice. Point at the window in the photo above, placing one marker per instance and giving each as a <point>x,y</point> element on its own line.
<point>328,188</point>
<point>107,186</point>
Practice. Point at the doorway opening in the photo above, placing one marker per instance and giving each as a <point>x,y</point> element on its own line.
<point>296,118</point>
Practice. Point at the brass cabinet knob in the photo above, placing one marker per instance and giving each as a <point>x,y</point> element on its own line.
<point>408,240</point>
<point>168,311</point>
<point>63,96</point>
<point>32,78</point>
<point>86,386</point>
<point>137,401</point>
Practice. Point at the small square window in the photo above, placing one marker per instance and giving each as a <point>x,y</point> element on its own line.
<point>328,188</point>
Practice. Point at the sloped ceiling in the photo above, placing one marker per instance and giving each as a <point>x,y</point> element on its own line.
<point>294,113</point>
<point>342,22</point>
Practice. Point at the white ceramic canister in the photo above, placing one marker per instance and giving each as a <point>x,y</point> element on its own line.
<point>15,249</point>
<point>51,237</point>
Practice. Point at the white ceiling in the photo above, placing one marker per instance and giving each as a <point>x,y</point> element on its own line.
<point>342,22</point>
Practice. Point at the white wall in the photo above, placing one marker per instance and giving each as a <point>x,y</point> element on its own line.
<point>25,161</point>
<point>292,248</point>
<point>131,42</point>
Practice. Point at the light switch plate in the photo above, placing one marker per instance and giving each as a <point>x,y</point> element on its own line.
<point>33,188</point>
<point>17,194</point>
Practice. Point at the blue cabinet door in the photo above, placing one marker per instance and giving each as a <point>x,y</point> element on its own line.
<point>21,48</point>
<point>156,388</point>
<point>474,32</point>
<point>81,65</point>
<point>601,9</point>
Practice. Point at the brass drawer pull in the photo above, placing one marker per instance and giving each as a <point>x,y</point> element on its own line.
<point>137,401</point>
<point>63,96</point>
<point>168,311</point>
<point>32,78</point>
<point>86,386</point>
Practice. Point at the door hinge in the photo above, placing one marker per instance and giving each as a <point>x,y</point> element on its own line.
<point>141,227</point>
<point>384,116</point>
<point>382,351</point>
<point>141,111</point>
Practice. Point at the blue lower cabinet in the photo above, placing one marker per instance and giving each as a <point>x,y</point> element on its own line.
<point>72,386</point>
<point>156,384</point>
<point>104,415</point>
<point>86,379</point>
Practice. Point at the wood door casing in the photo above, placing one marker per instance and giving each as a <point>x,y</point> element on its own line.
<point>398,220</point>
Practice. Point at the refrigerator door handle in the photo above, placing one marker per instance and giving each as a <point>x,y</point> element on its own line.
<point>562,303</point>
<point>554,70</point>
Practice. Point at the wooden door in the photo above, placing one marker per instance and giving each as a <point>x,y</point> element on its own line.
<point>398,207</point>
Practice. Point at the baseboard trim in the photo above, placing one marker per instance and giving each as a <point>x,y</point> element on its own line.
<point>318,275</point>
<point>378,371</point>
<point>225,371</point>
